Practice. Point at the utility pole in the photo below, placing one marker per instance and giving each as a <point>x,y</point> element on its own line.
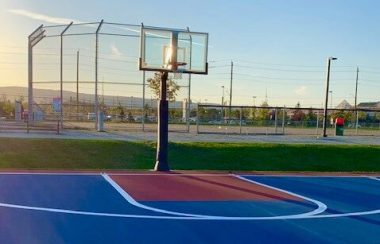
<point>356,100</point>
<point>327,95</point>
<point>77,82</point>
<point>232,73</point>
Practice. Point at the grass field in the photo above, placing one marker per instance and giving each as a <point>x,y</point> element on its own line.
<point>106,154</point>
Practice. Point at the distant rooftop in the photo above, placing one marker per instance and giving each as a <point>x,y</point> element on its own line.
<point>369,105</point>
<point>344,105</point>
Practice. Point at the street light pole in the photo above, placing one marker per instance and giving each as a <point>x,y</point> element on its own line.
<point>231,78</point>
<point>356,101</point>
<point>327,95</point>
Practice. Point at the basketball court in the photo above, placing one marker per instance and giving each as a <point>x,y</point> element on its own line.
<point>173,206</point>
<point>178,207</point>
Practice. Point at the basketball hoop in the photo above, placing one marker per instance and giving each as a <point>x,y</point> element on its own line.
<point>170,51</point>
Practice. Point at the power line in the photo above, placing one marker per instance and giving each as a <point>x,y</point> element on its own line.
<point>289,65</point>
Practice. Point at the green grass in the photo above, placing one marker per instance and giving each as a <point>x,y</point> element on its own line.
<point>74,154</point>
<point>275,157</point>
<point>106,154</point>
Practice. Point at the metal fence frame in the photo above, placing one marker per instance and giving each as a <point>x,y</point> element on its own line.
<point>278,123</point>
<point>40,33</point>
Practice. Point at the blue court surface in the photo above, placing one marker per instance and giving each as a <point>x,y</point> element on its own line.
<point>97,208</point>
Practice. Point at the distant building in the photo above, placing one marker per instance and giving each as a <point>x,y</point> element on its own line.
<point>344,105</point>
<point>369,105</point>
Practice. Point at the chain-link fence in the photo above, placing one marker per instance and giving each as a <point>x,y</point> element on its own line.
<point>79,71</point>
<point>246,120</point>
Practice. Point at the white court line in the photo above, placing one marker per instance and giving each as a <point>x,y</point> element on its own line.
<point>373,178</point>
<point>133,202</point>
<point>64,211</point>
<point>321,206</point>
<point>216,218</point>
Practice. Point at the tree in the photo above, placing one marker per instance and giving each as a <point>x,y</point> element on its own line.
<point>263,113</point>
<point>362,116</point>
<point>310,116</point>
<point>147,110</point>
<point>175,114</point>
<point>130,117</point>
<point>7,108</point>
<point>346,115</point>
<point>118,111</point>
<point>283,114</point>
<point>154,85</point>
<point>298,114</point>
<point>377,116</point>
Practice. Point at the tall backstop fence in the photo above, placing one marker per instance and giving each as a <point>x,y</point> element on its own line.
<point>253,120</point>
<point>84,73</point>
<point>81,74</point>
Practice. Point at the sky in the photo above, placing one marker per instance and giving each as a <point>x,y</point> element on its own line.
<point>279,48</point>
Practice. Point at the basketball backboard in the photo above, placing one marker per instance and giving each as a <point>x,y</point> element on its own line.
<point>173,50</point>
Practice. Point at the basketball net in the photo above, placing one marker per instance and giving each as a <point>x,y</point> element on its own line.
<point>177,74</point>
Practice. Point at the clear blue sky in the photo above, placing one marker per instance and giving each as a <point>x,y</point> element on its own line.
<point>278,47</point>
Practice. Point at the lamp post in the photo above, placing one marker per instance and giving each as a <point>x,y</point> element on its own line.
<point>327,95</point>
<point>356,100</point>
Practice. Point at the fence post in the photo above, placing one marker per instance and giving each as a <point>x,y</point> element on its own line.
<point>283,121</point>
<point>356,123</point>
<point>275,121</point>
<point>316,129</point>
<point>241,117</point>
<point>197,118</point>
<point>188,107</point>
<point>143,104</point>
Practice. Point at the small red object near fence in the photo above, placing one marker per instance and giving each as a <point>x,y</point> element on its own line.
<point>339,121</point>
